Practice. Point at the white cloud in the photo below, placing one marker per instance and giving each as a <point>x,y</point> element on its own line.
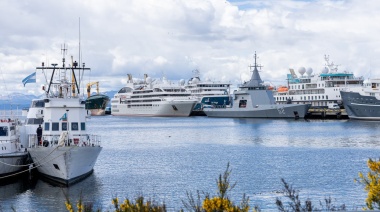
<point>173,37</point>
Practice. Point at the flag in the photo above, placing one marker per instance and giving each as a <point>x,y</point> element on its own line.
<point>30,79</point>
<point>64,117</point>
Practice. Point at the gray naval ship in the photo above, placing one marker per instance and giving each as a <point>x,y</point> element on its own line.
<point>364,104</point>
<point>255,100</point>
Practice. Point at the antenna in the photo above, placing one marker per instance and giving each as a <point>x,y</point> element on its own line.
<point>256,65</point>
<point>79,45</point>
<point>63,52</point>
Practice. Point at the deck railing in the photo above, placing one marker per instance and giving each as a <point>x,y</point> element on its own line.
<point>64,140</point>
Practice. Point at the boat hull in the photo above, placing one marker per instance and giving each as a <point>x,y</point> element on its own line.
<point>181,108</point>
<point>65,165</point>
<point>361,107</point>
<point>97,104</point>
<point>97,112</point>
<point>11,163</point>
<point>262,111</point>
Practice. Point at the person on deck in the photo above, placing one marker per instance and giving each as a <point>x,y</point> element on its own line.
<point>39,134</point>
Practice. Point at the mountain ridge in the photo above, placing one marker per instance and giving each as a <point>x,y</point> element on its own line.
<point>20,100</point>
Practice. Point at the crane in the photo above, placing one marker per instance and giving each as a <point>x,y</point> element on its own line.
<point>89,88</point>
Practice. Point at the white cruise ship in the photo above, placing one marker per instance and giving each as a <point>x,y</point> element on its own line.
<point>320,90</point>
<point>208,93</point>
<point>152,98</point>
<point>199,88</point>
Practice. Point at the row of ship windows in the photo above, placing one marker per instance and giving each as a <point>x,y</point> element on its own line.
<point>200,90</point>
<point>143,105</point>
<point>214,86</point>
<point>303,87</point>
<point>304,98</point>
<point>150,96</point>
<point>140,105</point>
<point>55,126</point>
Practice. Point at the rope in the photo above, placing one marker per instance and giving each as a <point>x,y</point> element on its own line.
<point>34,167</point>
<point>29,163</point>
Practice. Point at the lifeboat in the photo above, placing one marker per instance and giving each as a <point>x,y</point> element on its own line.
<point>282,89</point>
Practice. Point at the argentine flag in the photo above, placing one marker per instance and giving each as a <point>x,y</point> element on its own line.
<point>64,117</point>
<point>30,79</point>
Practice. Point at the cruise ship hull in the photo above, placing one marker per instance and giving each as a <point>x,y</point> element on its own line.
<point>11,162</point>
<point>262,111</point>
<point>164,108</point>
<point>65,165</point>
<point>361,107</point>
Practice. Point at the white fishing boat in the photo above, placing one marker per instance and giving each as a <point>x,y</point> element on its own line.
<point>151,98</point>
<point>319,90</point>
<point>12,153</point>
<point>66,153</point>
<point>363,104</point>
<point>255,100</point>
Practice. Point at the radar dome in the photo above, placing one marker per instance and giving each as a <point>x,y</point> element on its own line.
<point>182,82</point>
<point>149,80</point>
<point>309,71</point>
<point>302,70</point>
<point>325,70</point>
<point>195,80</point>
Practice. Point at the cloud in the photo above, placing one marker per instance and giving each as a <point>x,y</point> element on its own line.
<point>173,37</point>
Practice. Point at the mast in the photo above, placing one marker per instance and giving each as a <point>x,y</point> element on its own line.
<point>74,82</point>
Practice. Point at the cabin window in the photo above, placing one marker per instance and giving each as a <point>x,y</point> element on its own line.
<point>55,126</point>
<point>327,97</point>
<point>13,130</point>
<point>243,103</point>
<point>47,126</point>
<point>34,121</point>
<point>74,126</point>
<point>4,131</point>
<point>38,103</point>
<point>83,126</point>
<point>64,126</point>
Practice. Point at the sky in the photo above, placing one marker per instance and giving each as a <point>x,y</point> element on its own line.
<point>171,38</point>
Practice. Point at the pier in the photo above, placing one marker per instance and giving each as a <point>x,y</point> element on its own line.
<point>326,113</point>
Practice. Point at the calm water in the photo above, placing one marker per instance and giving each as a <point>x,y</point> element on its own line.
<point>162,158</point>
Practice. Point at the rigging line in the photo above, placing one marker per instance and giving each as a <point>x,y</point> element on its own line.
<point>30,163</point>
<point>34,167</point>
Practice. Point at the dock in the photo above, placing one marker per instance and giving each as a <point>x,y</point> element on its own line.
<point>326,113</point>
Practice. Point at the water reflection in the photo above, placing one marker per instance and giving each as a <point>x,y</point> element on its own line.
<point>163,158</point>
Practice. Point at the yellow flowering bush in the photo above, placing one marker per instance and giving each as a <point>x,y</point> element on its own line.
<point>221,202</point>
<point>81,207</point>
<point>138,206</point>
<point>372,184</point>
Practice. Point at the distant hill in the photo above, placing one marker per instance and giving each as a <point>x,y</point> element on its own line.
<point>19,100</point>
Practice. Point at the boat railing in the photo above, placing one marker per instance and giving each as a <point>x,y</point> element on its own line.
<point>64,140</point>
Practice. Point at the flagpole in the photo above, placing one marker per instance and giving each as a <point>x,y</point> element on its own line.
<point>67,119</point>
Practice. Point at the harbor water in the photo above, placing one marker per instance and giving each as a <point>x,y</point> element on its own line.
<point>163,158</point>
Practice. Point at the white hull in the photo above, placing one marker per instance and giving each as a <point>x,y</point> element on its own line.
<point>164,108</point>
<point>9,163</point>
<point>65,164</point>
